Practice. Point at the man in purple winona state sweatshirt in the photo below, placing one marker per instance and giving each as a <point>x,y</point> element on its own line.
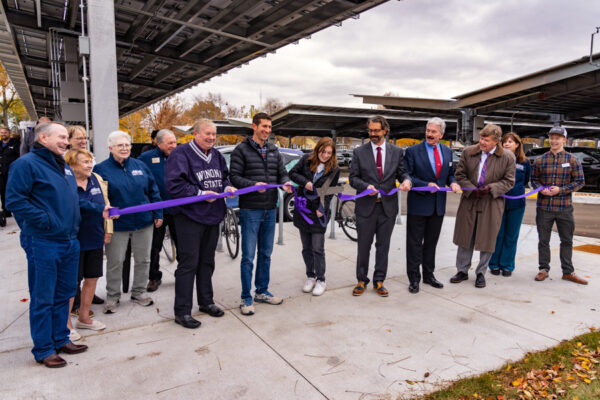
<point>194,169</point>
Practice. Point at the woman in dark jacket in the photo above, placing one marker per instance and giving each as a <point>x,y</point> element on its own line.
<point>312,172</point>
<point>503,259</point>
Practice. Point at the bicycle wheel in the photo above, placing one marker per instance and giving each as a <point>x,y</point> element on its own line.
<point>231,233</point>
<point>169,246</point>
<point>348,219</point>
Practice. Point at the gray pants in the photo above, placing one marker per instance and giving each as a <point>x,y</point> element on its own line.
<point>565,224</point>
<point>313,252</point>
<point>464,256</point>
<point>141,243</point>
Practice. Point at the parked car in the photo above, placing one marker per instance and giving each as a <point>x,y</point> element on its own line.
<point>290,158</point>
<point>347,157</point>
<point>589,158</point>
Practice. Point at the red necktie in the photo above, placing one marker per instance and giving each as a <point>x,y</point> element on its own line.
<point>438,162</point>
<point>379,166</point>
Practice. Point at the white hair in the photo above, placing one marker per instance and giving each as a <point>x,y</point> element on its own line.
<point>160,136</point>
<point>113,136</point>
<point>438,121</point>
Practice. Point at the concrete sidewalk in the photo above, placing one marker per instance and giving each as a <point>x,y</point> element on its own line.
<point>335,346</point>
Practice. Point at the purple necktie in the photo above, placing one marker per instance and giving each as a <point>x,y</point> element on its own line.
<point>483,170</point>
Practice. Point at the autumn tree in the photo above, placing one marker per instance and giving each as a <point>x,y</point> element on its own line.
<point>134,125</point>
<point>164,114</point>
<point>10,103</point>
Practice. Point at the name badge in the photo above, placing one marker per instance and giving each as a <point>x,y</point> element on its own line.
<point>156,160</point>
<point>137,172</point>
<point>521,167</point>
<point>95,191</point>
<point>68,172</point>
<point>565,165</point>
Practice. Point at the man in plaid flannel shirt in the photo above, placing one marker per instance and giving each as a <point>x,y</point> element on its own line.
<point>562,172</point>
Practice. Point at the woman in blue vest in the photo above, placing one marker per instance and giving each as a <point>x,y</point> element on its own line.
<point>503,259</point>
<point>312,172</point>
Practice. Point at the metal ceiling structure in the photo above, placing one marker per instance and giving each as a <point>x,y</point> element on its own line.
<point>568,93</point>
<point>163,46</point>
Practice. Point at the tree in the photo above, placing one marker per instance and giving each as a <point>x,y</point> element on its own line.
<point>10,103</point>
<point>133,124</point>
<point>164,114</point>
<point>273,105</point>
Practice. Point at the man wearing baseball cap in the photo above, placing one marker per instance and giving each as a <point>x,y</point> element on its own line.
<point>562,173</point>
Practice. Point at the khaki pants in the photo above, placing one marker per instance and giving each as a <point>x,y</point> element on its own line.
<point>141,242</point>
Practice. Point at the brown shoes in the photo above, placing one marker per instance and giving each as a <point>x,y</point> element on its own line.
<point>574,278</point>
<point>72,348</point>
<point>153,285</point>
<point>359,289</point>
<point>381,290</point>
<point>53,361</point>
<point>542,275</point>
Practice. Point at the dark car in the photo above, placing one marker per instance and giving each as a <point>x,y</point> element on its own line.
<point>589,158</point>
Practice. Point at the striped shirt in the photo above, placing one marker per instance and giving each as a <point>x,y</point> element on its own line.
<point>563,170</point>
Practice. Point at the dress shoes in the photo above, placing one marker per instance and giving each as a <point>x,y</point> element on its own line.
<point>506,273</point>
<point>459,277</point>
<point>359,289</point>
<point>153,284</point>
<point>213,310</point>
<point>53,361</point>
<point>574,278</point>
<point>433,282</point>
<point>97,300</point>
<point>495,271</point>
<point>380,289</point>
<point>72,348</point>
<point>480,281</point>
<point>413,287</point>
<point>187,321</point>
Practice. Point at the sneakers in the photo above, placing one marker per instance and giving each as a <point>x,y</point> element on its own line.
<point>142,300</point>
<point>74,335</point>
<point>319,288</point>
<point>267,298</point>
<point>309,285</point>
<point>111,306</point>
<point>247,309</point>
<point>574,278</point>
<point>94,326</point>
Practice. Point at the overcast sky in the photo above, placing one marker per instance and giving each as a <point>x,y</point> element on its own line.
<point>418,48</point>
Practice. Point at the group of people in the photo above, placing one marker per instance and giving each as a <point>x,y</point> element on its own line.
<point>61,197</point>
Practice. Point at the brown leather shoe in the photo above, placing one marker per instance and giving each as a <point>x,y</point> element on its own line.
<point>53,361</point>
<point>153,285</point>
<point>381,290</point>
<point>574,278</point>
<point>542,275</point>
<point>359,289</point>
<point>72,348</point>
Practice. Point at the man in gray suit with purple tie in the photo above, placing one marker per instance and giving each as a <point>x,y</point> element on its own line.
<point>428,163</point>
<point>376,166</point>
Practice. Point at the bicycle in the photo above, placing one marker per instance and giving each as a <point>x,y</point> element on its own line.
<point>346,218</point>
<point>231,231</point>
<point>169,246</point>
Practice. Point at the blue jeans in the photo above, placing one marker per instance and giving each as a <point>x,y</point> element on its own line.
<point>52,275</point>
<point>506,242</point>
<point>258,232</point>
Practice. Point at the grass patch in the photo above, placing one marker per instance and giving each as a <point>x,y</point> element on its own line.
<point>567,371</point>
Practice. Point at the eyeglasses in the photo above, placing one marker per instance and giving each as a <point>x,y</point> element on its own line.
<point>122,146</point>
<point>374,130</point>
<point>79,139</point>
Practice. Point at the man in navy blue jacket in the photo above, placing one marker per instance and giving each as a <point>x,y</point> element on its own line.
<point>42,195</point>
<point>428,163</point>
<point>194,169</point>
<point>156,160</point>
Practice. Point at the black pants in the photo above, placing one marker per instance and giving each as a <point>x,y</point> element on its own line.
<point>422,234</point>
<point>565,225</point>
<point>313,253</point>
<point>378,226</point>
<point>196,247</point>
<point>3,180</point>
<point>158,236</point>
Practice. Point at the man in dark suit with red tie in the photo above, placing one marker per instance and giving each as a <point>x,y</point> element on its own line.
<point>428,163</point>
<point>376,166</point>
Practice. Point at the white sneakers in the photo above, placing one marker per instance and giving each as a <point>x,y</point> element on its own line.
<point>319,289</point>
<point>316,287</point>
<point>94,326</point>
<point>74,335</point>
<point>309,285</point>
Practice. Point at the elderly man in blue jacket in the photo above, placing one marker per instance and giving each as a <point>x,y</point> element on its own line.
<point>42,195</point>
<point>130,183</point>
<point>156,159</point>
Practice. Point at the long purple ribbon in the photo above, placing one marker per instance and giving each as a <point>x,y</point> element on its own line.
<point>302,205</point>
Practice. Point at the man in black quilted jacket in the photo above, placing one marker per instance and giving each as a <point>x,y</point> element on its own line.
<point>257,162</point>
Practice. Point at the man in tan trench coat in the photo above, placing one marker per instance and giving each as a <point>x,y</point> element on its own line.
<point>490,169</point>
